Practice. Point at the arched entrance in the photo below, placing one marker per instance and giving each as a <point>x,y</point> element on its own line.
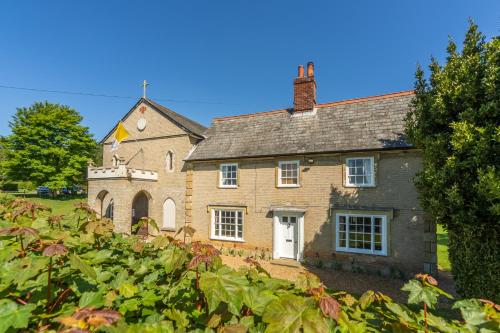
<point>140,208</point>
<point>104,205</point>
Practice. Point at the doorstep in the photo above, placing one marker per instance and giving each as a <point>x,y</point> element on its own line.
<point>286,263</point>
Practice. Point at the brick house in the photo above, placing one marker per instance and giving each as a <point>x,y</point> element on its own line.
<point>330,180</point>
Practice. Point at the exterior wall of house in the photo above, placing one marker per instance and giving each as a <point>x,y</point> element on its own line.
<point>145,150</point>
<point>321,194</point>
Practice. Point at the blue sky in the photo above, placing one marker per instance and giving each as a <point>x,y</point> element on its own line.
<point>219,58</point>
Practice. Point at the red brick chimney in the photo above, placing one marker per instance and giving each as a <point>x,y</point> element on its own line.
<point>304,89</point>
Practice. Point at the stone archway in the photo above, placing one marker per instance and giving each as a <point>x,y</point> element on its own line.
<point>140,208</point>
<point>104,204</point>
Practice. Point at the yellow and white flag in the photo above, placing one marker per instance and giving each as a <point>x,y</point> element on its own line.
<point>119,135</point>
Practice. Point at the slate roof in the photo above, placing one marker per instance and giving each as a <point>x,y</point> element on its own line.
<point>188,125</point>
<point>370,123</point>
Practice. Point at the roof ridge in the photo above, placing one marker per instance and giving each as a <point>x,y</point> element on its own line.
<point>177,113</point>
<point>197,131</point>
<point>322,105</point>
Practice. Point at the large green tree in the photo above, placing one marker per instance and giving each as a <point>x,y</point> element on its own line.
<point>455,120</point>
<point>49,146</point>
<point>3,157</point>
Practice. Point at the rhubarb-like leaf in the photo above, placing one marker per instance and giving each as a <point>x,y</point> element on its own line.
<point>291,313</point>
<point>13,315</point>
<point>225,285</point>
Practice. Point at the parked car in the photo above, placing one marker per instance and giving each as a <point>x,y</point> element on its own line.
<point>42,190</point>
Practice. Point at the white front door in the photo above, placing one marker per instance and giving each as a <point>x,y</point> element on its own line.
<point>289,241</point>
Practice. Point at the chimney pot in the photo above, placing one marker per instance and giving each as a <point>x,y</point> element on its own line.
<point>304,89</point>
<point>301,71</point>
<point>310,68</point>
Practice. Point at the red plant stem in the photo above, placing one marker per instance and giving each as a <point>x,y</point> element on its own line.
<point>48,283</point>
<point>425,317</point>
<point>61,298</point>
<point>22,245</point>
<point>20,300</point>
<point>197,279</point>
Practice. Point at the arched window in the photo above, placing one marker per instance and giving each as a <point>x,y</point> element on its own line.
<point>169,161</point>
<point>115,160</point>
<point>168,215</point>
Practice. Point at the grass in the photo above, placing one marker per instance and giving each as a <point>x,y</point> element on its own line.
<point>62,205</point>
<point>442,249</point>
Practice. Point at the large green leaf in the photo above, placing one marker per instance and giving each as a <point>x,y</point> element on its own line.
<point>420,293</point>
<point>172,258</point>
<point>128,290</point>
<point>180,317</point>
<point>257,299</point>
<point>80,265</point>
<point>13,315</point>
<point>22,270</point>
<point>91,299</point>
<point>225,285</point>
<point>291,313</point>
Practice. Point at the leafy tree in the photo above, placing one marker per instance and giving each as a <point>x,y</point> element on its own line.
<point>3,171</point>
<point>455,120</point>
<point>49,146</point>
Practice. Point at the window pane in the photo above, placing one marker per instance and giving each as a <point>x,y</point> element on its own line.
<point>359,171</point>
<point>360,233</point>
<point>289,174</point>
<point>228,223</point>
<point>229,175</point>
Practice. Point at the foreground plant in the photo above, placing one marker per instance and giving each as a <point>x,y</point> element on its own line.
<point>81,277</point>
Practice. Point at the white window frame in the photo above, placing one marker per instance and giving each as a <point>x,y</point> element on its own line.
<point>280,163</point>
<point>372,251</point>
<point>221,179</point>
<point>372,171</point>
<point>212,229</point>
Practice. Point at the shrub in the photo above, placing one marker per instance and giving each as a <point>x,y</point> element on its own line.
<point>10,187</point>
<point>455,121</point>
<point>74,274</point>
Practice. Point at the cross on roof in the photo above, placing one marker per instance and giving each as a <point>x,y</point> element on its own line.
<point>144,85</point>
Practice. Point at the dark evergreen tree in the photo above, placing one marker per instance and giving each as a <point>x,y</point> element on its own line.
<point>455,120</point>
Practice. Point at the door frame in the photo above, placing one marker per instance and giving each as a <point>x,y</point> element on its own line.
<point>277,236</point>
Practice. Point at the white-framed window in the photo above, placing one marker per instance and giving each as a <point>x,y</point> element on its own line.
<point>227,224</point>
<point>360,172</point>
<point>288,173</point>
<point>228,175</point>
<point>360,233</point>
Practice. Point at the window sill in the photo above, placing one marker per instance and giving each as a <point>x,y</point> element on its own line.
<point>236,240</point>
<point>288,186</point>
<point>359,186</point>
<point>359,251</point>
<point>228,186</point>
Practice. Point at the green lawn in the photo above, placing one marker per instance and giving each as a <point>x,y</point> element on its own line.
<point>442,248</point>
<point>59,205</point>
